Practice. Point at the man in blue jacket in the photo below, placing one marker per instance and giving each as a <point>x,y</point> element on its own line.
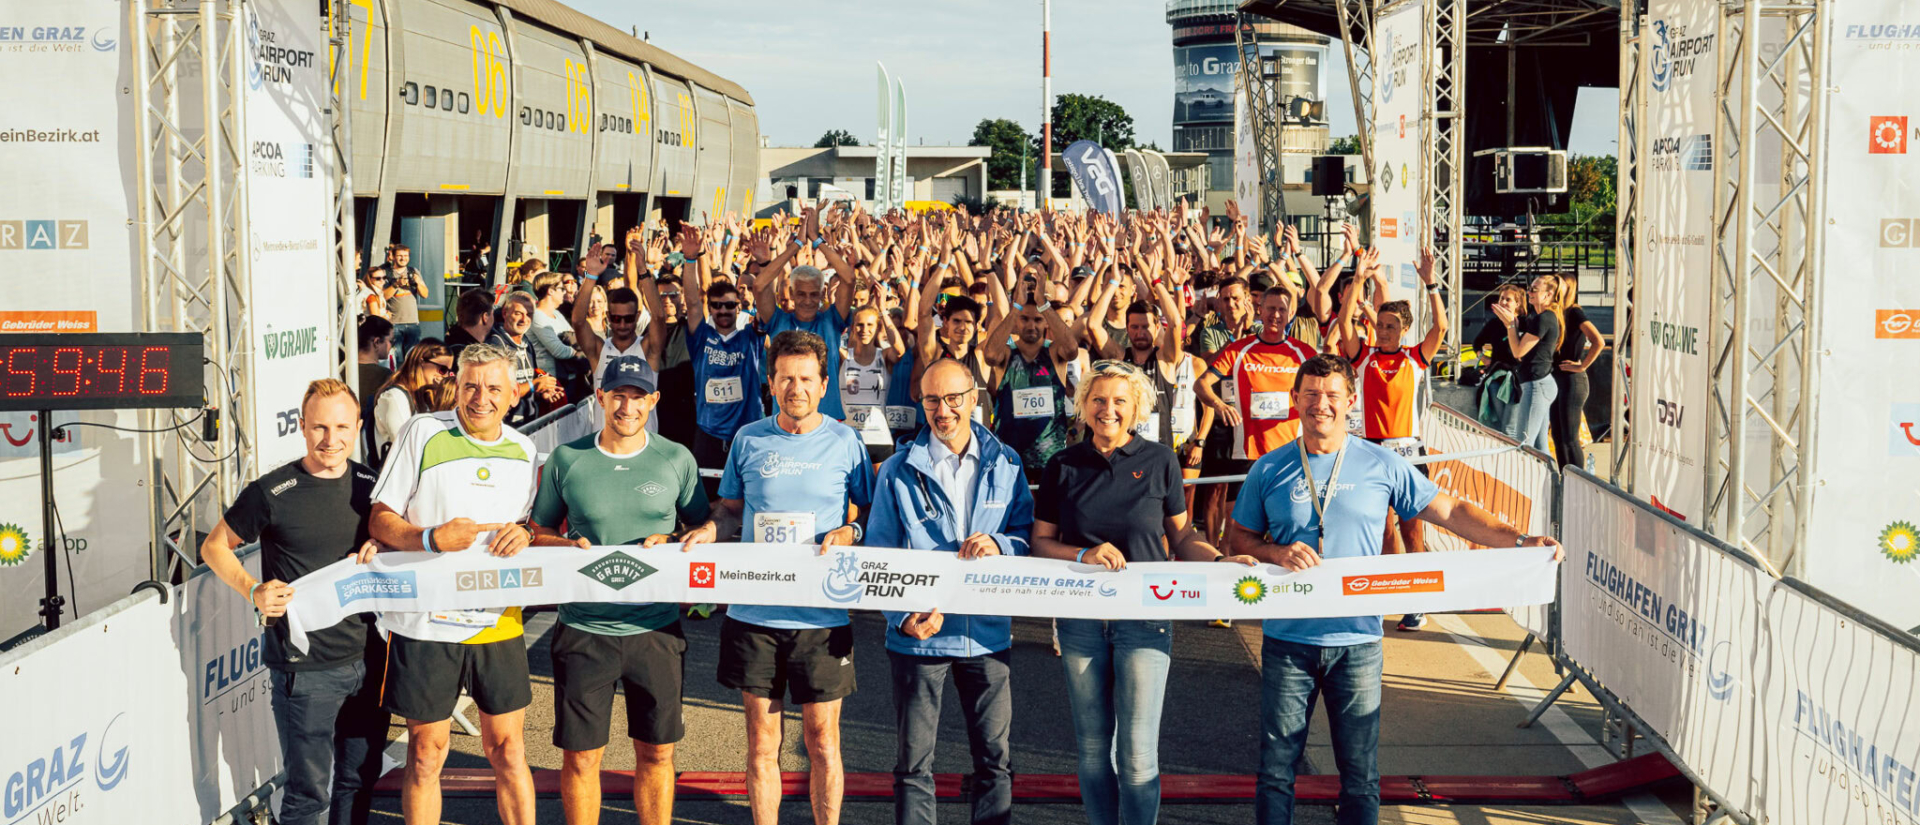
<point>955,489</point>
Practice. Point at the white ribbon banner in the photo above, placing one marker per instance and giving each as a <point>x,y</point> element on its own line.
<point>878,578</point>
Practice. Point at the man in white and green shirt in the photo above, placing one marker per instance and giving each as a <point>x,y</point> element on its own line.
<point>458,481</point>
<point>620,486</point>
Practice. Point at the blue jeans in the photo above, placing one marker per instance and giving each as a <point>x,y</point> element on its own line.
<point>332,731</point>
<point>1527,418</point>
<point>1117,685</point>
<point>405,337</point>
<point>1292,677</point>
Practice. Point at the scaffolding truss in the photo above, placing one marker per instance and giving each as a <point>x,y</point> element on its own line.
<point>1264,107</point>
<point>189,66</point>
<point>1761,331</point>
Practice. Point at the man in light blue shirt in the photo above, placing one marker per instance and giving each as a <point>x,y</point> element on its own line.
<point>1333,505</point>
<point>954,489</point>
<point>797,477</point>
<point>813,313</point>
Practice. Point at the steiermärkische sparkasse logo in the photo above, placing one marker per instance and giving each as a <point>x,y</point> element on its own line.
<point>617,570</point>
<point>14,545</point>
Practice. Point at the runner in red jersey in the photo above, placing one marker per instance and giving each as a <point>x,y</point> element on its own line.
<point>1258,373</point>
<point>1394,389</point>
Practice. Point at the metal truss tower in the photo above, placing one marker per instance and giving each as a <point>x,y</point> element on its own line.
<point>189,67</point>
<point>1763,329</point>
<point>340,152</point>
<point>1263,117</point>
<point>1443,81</point>
<point>1626,226</point>
<point>1356,24</point>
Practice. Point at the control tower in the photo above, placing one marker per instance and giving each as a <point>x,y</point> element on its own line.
<point>1206,65</point>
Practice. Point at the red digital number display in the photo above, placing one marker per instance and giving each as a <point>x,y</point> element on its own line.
<point>56,375</point>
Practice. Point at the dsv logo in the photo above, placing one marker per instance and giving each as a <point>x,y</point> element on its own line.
<point>287,422</point>
<point>1668,412</point>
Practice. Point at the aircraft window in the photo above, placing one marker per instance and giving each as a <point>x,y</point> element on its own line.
<point>465,102</point>
<point>432,95</point>
<point>410,93</point>
<point>446,100</point>
<point>525,115</point>
<point>563,123</point>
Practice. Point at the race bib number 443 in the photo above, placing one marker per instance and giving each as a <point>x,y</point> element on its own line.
<point>783,528</point>
<point>1269,405</point>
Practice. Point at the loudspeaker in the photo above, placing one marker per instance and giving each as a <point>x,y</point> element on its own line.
<point>1329,176</point>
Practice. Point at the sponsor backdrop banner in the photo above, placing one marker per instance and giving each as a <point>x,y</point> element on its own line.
<point>883,151</point>
<point>1246,162</point>
<point>1162,175</point>
<point>162,712</point>
<point>1866,494</point>
<point>1400,177</point>
<point>1668,621</point>
<point>1517,487</point>
<point>1143,195</point>
<point>1670,368</point>
<point>879,578</point>
<point>289,202</point>
<point>65,226</point>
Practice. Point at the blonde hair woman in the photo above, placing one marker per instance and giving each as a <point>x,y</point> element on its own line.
<point>1107,501</point>
<point>1534,338</point>
<point>1580,345</point>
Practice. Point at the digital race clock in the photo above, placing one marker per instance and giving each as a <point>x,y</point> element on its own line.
<point>86,371</point>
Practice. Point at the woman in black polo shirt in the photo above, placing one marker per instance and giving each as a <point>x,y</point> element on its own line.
<point>1107,501</point>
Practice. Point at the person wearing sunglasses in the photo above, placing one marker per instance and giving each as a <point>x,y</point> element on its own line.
<point>729,367</point>
<point>625,321</point>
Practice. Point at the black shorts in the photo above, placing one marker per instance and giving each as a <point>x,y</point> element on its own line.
<point>710,453</point>
<point>1423,451</point>
<point>424,679</point>
<point>813,665</point>
<point>1217,466</point>
<point>649,667</point>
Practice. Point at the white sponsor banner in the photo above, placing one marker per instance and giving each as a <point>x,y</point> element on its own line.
<point>67,243</point>
<point>1399,130</point>
<point>883,152</point>
<point>878,578</point>
<point>1865,407</point>
<point>66,154</point>
<point>1517,487</point>
<point>1670,368</point>
<point>122,696</point>
<point>1669,623</point>
<point>1842,738</point>
<point>288,201</point>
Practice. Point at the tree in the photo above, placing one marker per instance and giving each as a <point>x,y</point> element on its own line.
<point>1590,185</point>
<point>1349,145</point>
<point>836,137</point>
<point>1007,140</point>
<point>1086,117</point>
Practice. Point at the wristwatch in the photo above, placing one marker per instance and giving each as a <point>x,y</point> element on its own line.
<point>1521,541</point>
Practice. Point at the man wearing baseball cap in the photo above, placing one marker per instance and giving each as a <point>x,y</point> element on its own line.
<point>620,486</point>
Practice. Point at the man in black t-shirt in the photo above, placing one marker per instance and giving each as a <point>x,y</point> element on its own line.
<point>307,514</point>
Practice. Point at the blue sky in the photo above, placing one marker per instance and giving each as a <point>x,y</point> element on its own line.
<point>809,65</point>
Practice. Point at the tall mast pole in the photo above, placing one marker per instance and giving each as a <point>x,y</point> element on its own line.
<point>1046,102</point>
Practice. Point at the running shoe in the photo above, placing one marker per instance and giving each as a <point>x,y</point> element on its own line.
<point>1220,623</point>
<point>1413,621</point>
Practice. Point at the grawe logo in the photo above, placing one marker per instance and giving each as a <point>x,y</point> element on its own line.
<point>1887,135</point>
<point>292,343</point>
<point>1673,337</point>
<point>617,570</point>
<point>1896,323</point>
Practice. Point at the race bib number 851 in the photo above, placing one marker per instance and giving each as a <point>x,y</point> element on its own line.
<point>783,528</point>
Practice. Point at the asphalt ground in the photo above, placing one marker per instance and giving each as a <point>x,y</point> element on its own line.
<point>1440,716</point>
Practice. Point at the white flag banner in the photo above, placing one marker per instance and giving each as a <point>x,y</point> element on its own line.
<point>878,578</point>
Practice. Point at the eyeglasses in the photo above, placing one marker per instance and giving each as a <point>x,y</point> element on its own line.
<point>671,296</point>
<point>624,318</point>
<point>952,400</point>
<point>442,367</point>
<point>724,304</point>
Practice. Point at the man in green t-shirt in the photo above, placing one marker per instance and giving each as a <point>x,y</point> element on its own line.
<point>620,486</point>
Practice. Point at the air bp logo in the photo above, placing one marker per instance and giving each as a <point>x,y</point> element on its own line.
<point>1250,590</point>
<point>14,545</point>
<point>483,473</point>
<point>1900,542</point>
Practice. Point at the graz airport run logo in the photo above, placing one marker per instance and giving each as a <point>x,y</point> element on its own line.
<point>53,783</point>
<point>272,63</point>
<point>15,546</point>
<point>617,570</point>
<point>851,579</point>
<point>1900,542</point>
<point>1675,55</point>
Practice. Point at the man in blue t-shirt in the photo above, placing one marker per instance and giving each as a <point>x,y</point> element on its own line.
<point>728,369</point>
<point>1335,508</point>
<point>797,477</point>
<point>807,286</point>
